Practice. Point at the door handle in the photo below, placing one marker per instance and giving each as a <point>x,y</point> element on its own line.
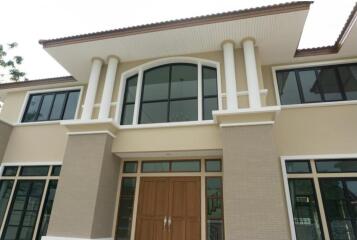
<point>169,222</point>
<point>165,222</point>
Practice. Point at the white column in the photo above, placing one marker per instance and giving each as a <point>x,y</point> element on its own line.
<point>92,89</point>
<point>230,75</point>
<point>252,74</point>
<point>108,87</point>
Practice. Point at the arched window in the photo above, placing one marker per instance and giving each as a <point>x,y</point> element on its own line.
<point>174,92</point>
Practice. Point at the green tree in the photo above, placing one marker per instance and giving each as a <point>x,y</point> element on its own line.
<point>10,64</point>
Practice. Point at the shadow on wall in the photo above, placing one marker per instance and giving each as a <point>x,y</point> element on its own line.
<point>5,131</point>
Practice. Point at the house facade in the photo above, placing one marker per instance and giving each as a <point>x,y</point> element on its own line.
<point>214,127</point>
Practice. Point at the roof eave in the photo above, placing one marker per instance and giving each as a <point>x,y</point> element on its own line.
<point>181,23</point>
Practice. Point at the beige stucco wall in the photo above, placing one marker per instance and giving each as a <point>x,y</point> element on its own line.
<point>317,130</point>
<point>12,106</point>
<point>37,143</point>
<point>5,131</point>
<point>205,137</point>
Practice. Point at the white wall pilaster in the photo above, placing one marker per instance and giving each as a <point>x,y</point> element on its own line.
<point>252,74</point>
<point>92,88</point>
<point>230,75</point>
<point>108,87</point>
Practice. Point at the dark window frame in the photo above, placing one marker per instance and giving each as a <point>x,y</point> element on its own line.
<point>170,166</point>
<point>316,201</point>
<point>125,102</point>
<point>324,204</point>
<point>316,69</point>
<point>298,161</point>
<point>43,94</point>
<point>167,100</point>
<point>208,96</point>
<point>206,208</point>
<point>334,160</point>
<point>214,160</point>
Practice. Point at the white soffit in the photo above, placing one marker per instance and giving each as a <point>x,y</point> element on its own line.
<point>279,33</point>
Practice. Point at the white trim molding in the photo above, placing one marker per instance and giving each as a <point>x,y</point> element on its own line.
<point>140,71</point>
<point>305,65</point>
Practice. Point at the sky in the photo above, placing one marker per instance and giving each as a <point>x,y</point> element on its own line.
<point>27,21</point>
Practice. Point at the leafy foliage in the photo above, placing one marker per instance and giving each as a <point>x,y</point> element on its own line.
<point>10,64</point>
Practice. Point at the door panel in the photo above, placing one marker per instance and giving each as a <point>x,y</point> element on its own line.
<point>178,199</point>
<point>185,208</point>
<point>152,208</point>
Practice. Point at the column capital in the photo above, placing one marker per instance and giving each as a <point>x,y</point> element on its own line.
<point>97,59</point>
<point>113,57</point>
<point>246,39</point>
<point>228,41</point>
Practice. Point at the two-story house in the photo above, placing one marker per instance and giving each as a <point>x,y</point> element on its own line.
<point>208,128</point>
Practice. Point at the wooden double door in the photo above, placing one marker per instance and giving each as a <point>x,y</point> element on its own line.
<point>169,208</point>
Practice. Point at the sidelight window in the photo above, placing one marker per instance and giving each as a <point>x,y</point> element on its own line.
<point>26,198</point>
<point>170,93</point>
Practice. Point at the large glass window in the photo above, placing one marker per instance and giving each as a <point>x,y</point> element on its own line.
<point>305,209</point>
<point>323,199</point>
<point>51,106</point>
<point>21,195</point>
<point>318,84</point>
<point>169,93</point>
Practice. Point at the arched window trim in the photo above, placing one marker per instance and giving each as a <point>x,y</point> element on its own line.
<point>139,70</point>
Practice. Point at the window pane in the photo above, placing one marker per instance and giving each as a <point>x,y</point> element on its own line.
<point>156,84</point>
<point>334,166</point>
<point>310,86</point>
<point>10,171</point>
<point>214,208</point>
<point>130,91</point>
<point>209,76</point>
<point>298,167</point>
<point>183,81</point>
<point>349,80</point>
<point>32,108</point>
<point>45,107</point>
<point>71,105</point>
<point>47,209</point>
<point>56,170</point>
<point>130,167</point>
<point>339,199</point>
<point>128,114</point>
<point>209,105</point>
<point>213,166</point>
<point>329,83</point>
<point>185,166</point>
<point>288,88</point>
<point>21,223</point>
<point>155,112</point>
<point>126,205</point>
<point>34,171</point>
<point>5,191</point>
<point>155,167</point>
<point>183,110</point>
<point>56,113</point>
<point>305,209</point>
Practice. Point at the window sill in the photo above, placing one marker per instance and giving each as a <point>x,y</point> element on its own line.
<point>320,104</point>
<point>21,124</point>
<point>170,124</point>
